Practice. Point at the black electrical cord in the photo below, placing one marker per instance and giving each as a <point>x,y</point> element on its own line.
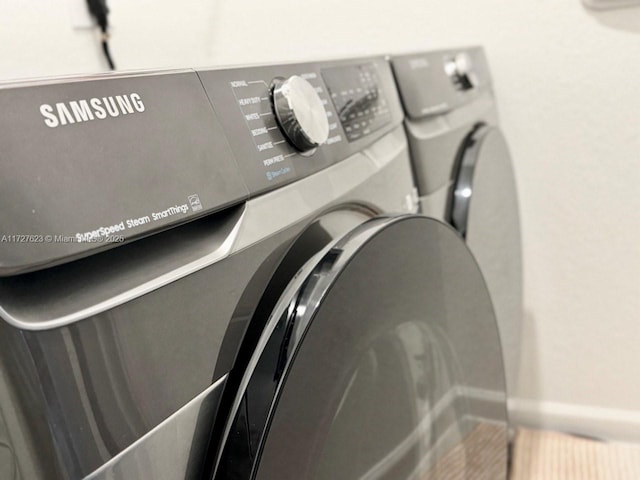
<point>107,53</point>
<point>100,11</point>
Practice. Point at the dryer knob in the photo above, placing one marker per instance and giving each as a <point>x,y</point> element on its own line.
<point>460,69</point>
<point>300,113</point>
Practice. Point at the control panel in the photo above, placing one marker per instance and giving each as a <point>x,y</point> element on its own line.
<point>118,157</point>
<point>433,83</point>
<point>285,122</point>
<point>358,98</point>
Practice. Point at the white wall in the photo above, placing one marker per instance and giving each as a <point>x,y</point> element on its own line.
<point>568,94</point>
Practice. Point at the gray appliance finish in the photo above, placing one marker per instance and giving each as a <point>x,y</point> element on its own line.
<point>239,257</point>
<point>464,172</point>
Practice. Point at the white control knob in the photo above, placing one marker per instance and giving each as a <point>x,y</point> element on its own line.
<point>300,113</point>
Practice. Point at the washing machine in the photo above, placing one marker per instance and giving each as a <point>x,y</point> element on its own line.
<point>220,273</point>
<point>464,172</point>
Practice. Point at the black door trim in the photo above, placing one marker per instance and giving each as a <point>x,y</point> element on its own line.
<point>464,170</point>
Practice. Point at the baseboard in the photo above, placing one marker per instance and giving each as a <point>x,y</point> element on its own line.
<point>604,423</point>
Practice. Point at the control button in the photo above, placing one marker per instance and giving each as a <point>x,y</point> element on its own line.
<point>300,113</point>
<point>460,69</point>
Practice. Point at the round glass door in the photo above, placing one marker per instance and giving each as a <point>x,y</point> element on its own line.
<point>381,361</point>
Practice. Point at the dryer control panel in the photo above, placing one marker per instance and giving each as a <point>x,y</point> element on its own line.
<point>271,115</point>
<point>434,83</point>
<point>91,162</point>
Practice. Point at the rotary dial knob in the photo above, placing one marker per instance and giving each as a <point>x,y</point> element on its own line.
<point>300,113</point>
<point>460,68</point>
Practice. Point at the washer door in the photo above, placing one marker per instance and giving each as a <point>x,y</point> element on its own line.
<point>381,360</point>
<point>484,209</point>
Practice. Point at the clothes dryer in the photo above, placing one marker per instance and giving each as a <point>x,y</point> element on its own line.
<point>223,276</point>
<point>464,172</point>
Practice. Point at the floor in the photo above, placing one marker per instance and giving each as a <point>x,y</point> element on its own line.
<point>541,455</point>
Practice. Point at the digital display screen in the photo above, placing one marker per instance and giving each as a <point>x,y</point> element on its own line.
<point>358,99</point>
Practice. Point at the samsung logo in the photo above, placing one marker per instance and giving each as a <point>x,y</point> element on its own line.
<point>78,111</point>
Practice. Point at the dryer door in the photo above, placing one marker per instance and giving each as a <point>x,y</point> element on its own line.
<point>381,360</point>
<point>484,209</point>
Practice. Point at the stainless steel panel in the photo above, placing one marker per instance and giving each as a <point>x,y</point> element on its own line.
<point>175,449</point>
<point>134,171</point>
